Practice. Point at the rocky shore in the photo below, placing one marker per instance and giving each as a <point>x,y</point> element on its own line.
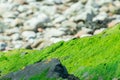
<point>35,24</point>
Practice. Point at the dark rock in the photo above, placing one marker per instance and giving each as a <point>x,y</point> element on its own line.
<point>54,67</point>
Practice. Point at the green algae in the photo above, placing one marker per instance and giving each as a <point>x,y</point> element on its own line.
<point>89,58</point>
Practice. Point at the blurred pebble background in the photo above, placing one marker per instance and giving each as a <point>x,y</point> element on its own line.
<point>35,24</point>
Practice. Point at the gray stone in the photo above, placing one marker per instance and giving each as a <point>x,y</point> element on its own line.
<point>28,35</point>
<point>52,32</point>
<point>69,27</point>
<point>2,46</point>
<point>59,19</point>
<point>49,10</point>
<point>74,9</point>
<point>37,43</point>
<point>4,38</point>
<point>58,1</point>
<point>22,8</point>
<point>36,22</point>
<point>2,27</point>
<point>15,36</point>
<point>101,16</point>
<point>53,67</point>
<point>87,15</point>
<point>12,31</point>
<point>18,44</point>
<point>84,32</point>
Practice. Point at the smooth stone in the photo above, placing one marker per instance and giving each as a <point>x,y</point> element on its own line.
<point>3,45</point>
<point>59,19</point>
<point>98,31</point>
<point>101,16</point>
<point>17,22</point>
<point>76,7</point>
<point>3,27</point>
<point>49,10</point>
<point>36,22</point>
<point>26,35</point>
<point>15,36</point>
<point>12,31</point>
<point>84,31</point>
<point>37,43</point>
<point>102,2</point>
<point>52,32</point>
<point>69,27</point>
<point>9,14</point>
<point>18,44</point>
<point>58,1</point>
<point>44,44</point>
<point>55,40</point>
<point>19,1</point>
<point>4,38</point>
<point>85,35</point>
<point>85,16</point>
<point>27,46</point>
<point>22,8</point>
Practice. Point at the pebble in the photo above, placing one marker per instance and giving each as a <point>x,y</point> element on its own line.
<point>28,35</point>
<point>52,32</point>
<point>2,46</point>
<point>99,31</point>
<point>35,24</point>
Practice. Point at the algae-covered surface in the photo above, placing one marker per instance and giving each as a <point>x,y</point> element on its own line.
<point>89,58</point>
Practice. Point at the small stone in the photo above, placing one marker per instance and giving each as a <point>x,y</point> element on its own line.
<point>3,45</point>
<point>28,35</point>
<point>36,43</point>
<point>99,31</point>
<point>69,26</point>
<point>11,31</point>
<point>52,32</point>
<point>85,35</point>
<point>113,23</point>
<point>84,32</point>
<point>59,19</point>
<point>15,36</point>
<point>3,27</point>
<point>18,44</point>
<point>20,1</point>
<point>36,22</point>
<point>101,16</point>
<point>22,8</point>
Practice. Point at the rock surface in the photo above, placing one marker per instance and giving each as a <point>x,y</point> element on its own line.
<point>54,70</point>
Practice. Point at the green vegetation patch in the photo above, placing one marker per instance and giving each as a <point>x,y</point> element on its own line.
<point>89,58</point>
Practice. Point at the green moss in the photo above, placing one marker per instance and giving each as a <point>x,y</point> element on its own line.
<point>91,58</point>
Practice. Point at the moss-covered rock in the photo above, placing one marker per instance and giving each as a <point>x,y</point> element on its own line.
<point>89,58</point>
